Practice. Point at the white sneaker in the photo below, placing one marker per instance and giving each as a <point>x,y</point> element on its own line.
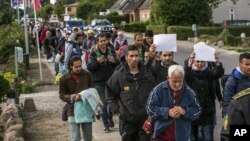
<point>51,60</point>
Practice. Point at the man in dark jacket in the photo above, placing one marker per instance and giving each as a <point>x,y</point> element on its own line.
<point>239,80</point>
<point>238,112</point>
<point>160,69</point>
<point>71,84</point>
<point>130,87</point>
<point>101,64</point>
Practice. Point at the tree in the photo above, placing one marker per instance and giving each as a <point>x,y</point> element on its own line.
<point>84,10</point>
<point>45,12</point>
<point>5,12</point>
<point>183,12</point>
<point>59,6</point>
<point>88,9</point>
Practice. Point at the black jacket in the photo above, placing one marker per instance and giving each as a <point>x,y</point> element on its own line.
<point>101,71</point>
<point>131,92</point>
<point>202,84</point>
<point>159,71</point>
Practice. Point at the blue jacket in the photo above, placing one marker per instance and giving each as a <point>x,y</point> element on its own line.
<point>159,102</point>
<point>234,84</point>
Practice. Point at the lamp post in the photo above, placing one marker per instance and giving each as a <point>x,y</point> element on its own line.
<point>26,55</point>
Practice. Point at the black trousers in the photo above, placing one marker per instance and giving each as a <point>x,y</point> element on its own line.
<point>132,132</point>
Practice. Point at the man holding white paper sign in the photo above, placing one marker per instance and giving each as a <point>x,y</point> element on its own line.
<point>160,68</point>
<point>200,78</point>
<point>166,45</point>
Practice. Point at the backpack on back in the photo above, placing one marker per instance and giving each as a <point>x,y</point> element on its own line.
<point>224,79</point>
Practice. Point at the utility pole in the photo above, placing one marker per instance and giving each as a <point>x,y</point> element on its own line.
<point>26,55</point>
<point>18,14</point>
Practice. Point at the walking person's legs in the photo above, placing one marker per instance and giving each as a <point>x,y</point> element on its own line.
<point>104,115</point>
<point>87,131</point>
<point>194,132</point>
<point>74,129</point>
<point>208,132</point>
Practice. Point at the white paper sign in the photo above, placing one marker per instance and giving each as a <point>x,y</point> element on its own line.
<point>165,42</point>
<point>204,52</point>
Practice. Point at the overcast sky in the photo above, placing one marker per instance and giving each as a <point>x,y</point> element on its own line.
<point>52,1</point>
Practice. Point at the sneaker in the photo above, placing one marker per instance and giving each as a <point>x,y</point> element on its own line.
<point>106,130</point>
<point>51,60</point>
<point>111,125</point>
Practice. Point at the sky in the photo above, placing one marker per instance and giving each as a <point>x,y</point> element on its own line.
<point>52,1</point>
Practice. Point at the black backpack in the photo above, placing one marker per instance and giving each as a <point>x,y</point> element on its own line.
<point>224,79</point>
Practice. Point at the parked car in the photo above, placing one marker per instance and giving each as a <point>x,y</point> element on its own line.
<point>102,25</point>
<point>71,23</point>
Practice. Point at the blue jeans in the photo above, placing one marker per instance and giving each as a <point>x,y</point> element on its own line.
<point>106,115</point>
<point>202,132</point>
<point>75,130</point>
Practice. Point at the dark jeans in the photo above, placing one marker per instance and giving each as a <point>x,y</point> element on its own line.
<point>202,132</point>
<point>106,115</point>
<point>132,132</point>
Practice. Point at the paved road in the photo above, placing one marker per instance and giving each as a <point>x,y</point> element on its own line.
<point>228,58</point>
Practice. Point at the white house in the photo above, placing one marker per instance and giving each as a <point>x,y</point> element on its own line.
<point>229,11</point>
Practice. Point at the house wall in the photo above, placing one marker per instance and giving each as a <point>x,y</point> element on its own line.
<point>134,16</point>
<point>72,11</point>
<point>137,15</point>
<point>241,11</point>
<point>144,14</point>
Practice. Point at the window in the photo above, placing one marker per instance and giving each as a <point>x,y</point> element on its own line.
<point>231,14</point>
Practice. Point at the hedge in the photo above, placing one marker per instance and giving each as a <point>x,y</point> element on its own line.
<point>158,29</point>
<point>184,32</point>
<point>237,30</point>
<point>114,19</point>
<point>136,27</point>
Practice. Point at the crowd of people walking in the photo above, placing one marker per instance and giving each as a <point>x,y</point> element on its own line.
<point>138,83</point>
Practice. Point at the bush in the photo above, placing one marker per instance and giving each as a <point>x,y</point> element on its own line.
<point>182,32</point>
<point>136,27</point>
<point>224,35</point>
<point>205,38</point>
<point>233,41</point>
<point>9,77</point>
<point>8,43</point>
<point>237,30</point>
<point>26,87</point>
<point>243,50</point>
<point>4,87</point>
<point>209,30</point>
<point>158,29</point>
<point>118,19</point>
